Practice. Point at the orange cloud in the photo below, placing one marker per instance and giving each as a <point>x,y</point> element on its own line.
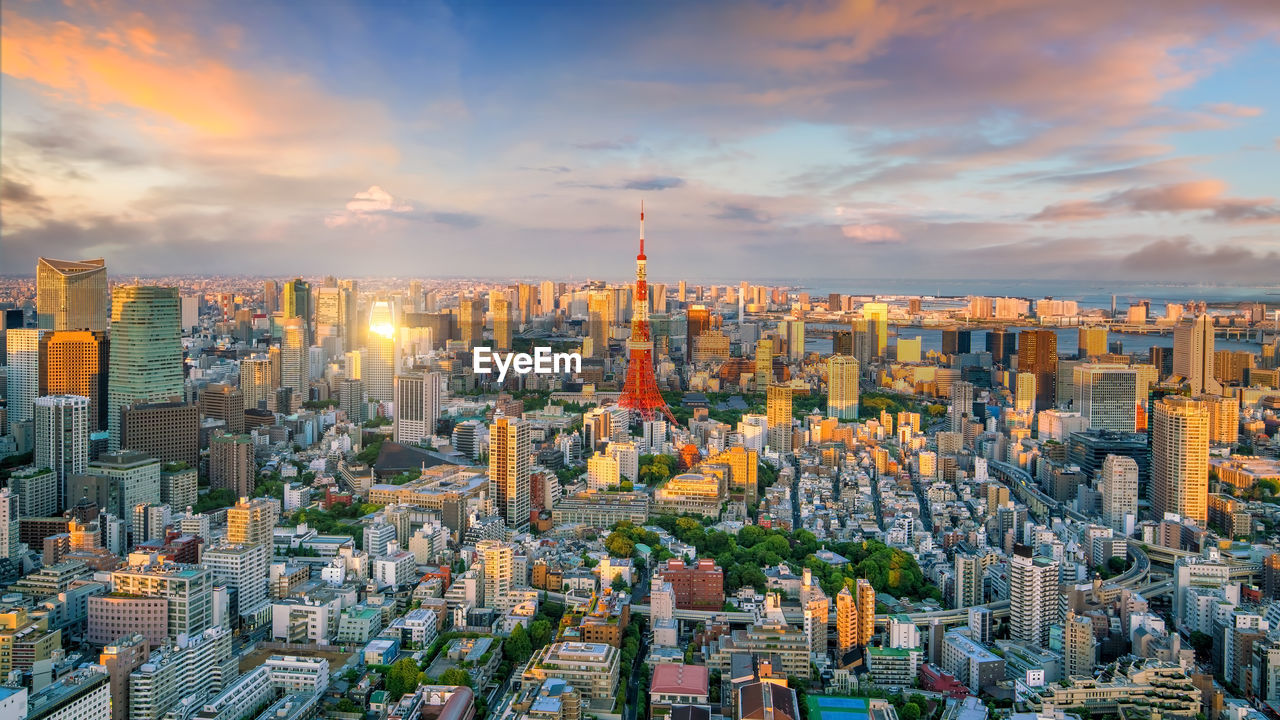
<point>1174,198</point>
<point>183,92</point>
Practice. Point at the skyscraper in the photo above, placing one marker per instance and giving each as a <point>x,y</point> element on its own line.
<point>956,341</point>
<point>764,363</point>
<point>877,313</point>
<point>1038,355</point>
<point>1193,355</point>
<point>699,322</point>
<point>842,387</point>
<point>146,350</point>
<point>62,438</point>
<point>1118,485</point>
<point>1033,596</point>
<point>417,406</point>
<point>1000,343</point>
<point>1024,392</point>
<point>501,309</point>
<point>778,411</point>
<point>471,321</point>
<point>794,333</point>
<point>23,374</point>
<point>295,301</point>
<point>381,360</point>
<point>270,296</point>
<point>599,317</point>
<point>71,295</point>
<point>74,362</point>
<point>961,407</point>
<point>1106,396</point>
<point>224,402</point>
<point>1180,458</point>
<point>509,465</point>
<point>1092,341</point>
<point>252,522</point>
<point>968,580</point>
<point>295,361</point>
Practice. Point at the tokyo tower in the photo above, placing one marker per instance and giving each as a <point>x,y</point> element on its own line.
<point>640,393</point>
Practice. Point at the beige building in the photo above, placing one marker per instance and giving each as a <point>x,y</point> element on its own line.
<point>1180,458</point>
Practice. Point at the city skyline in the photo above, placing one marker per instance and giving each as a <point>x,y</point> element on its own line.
<point>961,141</point>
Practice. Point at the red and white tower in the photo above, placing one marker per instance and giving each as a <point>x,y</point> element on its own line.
<point>640,393</point>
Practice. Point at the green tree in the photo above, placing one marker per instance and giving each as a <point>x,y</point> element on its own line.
<point>910,711</point>
<point>1202,644</point>
<point>540,632</point>
<point>518,647</point>
<point>455,676</point>
<point>402,678</point>
<point>619,584</point>
<point>619,545</point>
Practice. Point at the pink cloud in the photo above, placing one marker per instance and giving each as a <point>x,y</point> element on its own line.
<point>871,234</point>
<point>1196,195</point>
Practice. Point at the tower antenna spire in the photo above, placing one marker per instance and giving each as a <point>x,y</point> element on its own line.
<point>641,227</point>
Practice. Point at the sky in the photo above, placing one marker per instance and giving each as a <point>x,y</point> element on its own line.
<point>948,139</point>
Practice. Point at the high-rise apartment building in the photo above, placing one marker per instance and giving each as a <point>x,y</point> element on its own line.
<point>74,362</point>
<point>1118,485</point>
<point>145,353</point>
<point>509,466</point>
<point>179,679</point>
<point>231,463</point>
<point>1038,355</point>
<point>9,514</point>
<point>71,294</point>
<point>38,490</point>
<point>1193,355</point>
<point>1106,396</point>
<point>1033,596</point>
<point>418,399</point>
<point>295,361</point>
<point>255,381</point>
<point>778,411</point>
<point>866,612</point>
<point>846,622</point>
<point>1180,458</point>
<point>842,387</point>
<point>1079,647</point>
<point>62,438</point>
<point>968,580</point>
<point>252,522</point>
<point>499,570</point>
<point>243,568</point>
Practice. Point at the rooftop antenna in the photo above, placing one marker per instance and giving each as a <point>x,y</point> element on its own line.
<point>641,227</point>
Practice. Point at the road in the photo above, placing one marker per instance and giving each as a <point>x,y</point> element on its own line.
<point>633,681</point>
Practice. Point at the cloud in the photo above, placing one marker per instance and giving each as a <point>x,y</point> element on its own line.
<point>742,213</point>
<point>13,192</point>
<point>656,182</point>
<point>625,143</point>
<point>871,234</point>
<point>1233,110</point>
<point>373,207</point>
<point>1182,256</point>
<point>1199,195</point>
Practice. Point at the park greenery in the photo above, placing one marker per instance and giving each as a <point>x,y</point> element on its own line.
<point>215,499</point>
<point>744,556</point>
<point>657,469</point>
